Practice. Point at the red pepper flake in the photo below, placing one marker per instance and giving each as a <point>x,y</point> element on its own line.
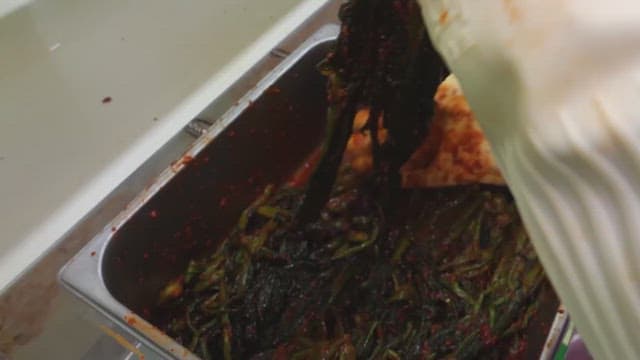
<point>153,214</point>
<point>485,334</point>
<point>106,100</point>
<point>113,229</point>
<point>224,201</point>
<point>187,159</point>
<point>146,255</point>
<point>93,253</point>
<point>231,133</point>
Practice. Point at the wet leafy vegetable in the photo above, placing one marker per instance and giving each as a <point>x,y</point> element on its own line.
<point>383,60</point>
<point>354,266</point>
<point>456,277</point>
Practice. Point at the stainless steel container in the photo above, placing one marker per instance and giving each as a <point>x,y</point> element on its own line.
<point>261,140</point>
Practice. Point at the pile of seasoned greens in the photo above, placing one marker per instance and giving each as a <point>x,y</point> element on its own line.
<point>353,266</point>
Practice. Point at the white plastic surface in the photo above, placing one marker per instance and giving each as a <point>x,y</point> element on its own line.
<point>159,61</point>
<point>556,87</point>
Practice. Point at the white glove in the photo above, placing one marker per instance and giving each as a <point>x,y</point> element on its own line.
<point>555,85</point>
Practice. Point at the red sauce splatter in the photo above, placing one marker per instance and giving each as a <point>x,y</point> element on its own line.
<point>93,253</point>
<point>153,214</point>
<point>106,100</point>
<point>444,17</point>
<point>514,12</point>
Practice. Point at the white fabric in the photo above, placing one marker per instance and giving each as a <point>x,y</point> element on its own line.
<point>555,85</point>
